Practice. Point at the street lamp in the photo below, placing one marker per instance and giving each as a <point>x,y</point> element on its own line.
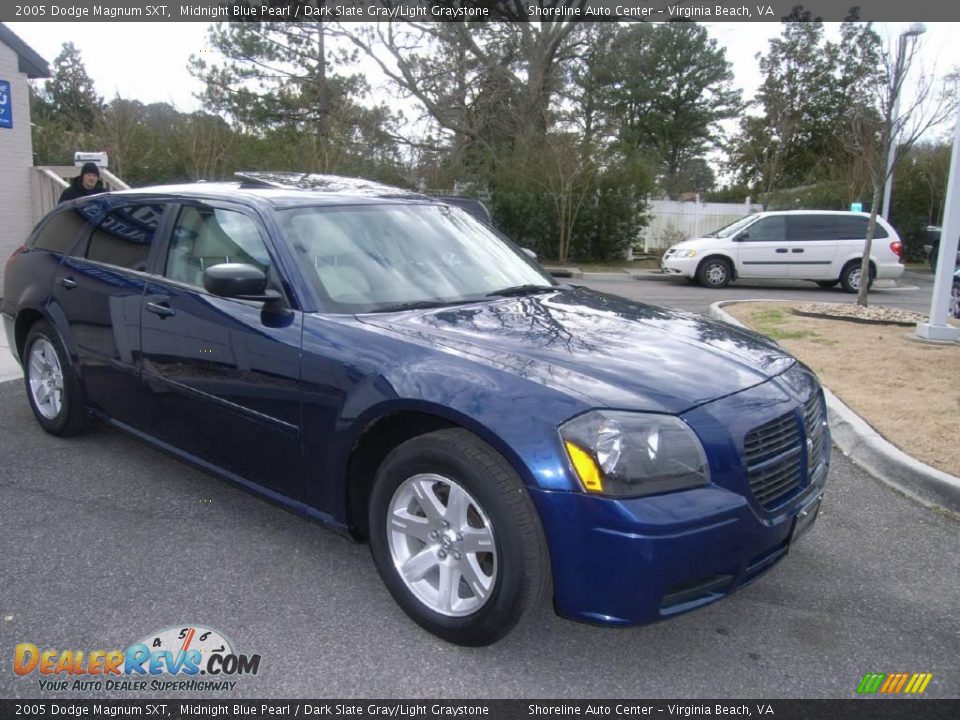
<point>914,30</point>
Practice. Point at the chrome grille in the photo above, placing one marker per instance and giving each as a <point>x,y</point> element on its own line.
<point>772,453</point>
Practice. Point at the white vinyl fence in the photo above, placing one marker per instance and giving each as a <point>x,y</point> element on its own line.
<point>674,220</point>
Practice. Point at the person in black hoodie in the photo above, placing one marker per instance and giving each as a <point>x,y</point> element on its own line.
<point>86,183</point>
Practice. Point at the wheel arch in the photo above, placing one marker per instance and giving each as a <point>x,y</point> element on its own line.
<point>385,429</point>
<point>858,259</point>
<point>26,319</point>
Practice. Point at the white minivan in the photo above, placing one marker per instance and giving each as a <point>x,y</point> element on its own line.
<point>820,245</point>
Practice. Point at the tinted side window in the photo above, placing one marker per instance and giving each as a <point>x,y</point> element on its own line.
<point>855,228</point>
<point>852,228</point>
<point>61,231</point>
<point>204,237</point>
<point>770,229</point>
<point>124,237</point>
<point>812,227</point>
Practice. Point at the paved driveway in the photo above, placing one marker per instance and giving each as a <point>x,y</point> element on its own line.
<point>913,291</point>
<point>103,541</point>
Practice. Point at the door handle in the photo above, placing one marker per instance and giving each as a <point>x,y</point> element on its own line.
<point>68,282</point>
<point>781,250</point>
<point>797,250</point>
<point>161,309</point>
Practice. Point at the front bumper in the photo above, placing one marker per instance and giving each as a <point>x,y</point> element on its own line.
<point>640,560</point>
<point>681,267</point>
<point>636,562</point>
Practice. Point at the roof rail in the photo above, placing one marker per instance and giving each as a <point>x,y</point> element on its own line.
<point>321,183</point>
<point>256,179</point>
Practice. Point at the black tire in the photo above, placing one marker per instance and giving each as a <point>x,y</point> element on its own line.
<point>68,416</point>
<point>934,256</point>
<point>827,284</point>
<point>715,273</point>
<point>850,277</point>
<point>455,463</point>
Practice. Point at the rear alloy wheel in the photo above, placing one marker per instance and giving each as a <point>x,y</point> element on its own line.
<point>52,387</point>
<point>714,273</point>
<point>456,538</point>
<point>850,278</point>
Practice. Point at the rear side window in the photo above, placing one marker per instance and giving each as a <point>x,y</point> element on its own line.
<point>812,227</point>
<point>125,235</point>
<point>61,231</point>
<point>854,227</point>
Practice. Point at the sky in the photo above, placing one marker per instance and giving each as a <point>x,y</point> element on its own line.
<point>148,61</point>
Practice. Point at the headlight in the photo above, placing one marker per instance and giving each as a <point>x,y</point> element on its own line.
<point>685,253</point>
<point>625,454</point>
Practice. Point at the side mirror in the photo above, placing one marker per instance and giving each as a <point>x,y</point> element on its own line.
<point>530,254</point>
<point>239,281</point>
<point>745,235</point>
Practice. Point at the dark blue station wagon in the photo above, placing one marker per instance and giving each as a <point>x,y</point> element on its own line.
<point>392,367</point>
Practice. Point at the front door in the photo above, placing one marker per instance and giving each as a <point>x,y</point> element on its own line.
<point>223,375</point>
<point>762,249</point>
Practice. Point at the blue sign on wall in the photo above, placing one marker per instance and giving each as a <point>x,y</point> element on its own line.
<point>6,105</point>
<point>856,207</point>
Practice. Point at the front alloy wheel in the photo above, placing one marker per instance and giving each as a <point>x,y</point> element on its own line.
<point>456,539</point>
<point>714,273</point>
<point>442,545</point>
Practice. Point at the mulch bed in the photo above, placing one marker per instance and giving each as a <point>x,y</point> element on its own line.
<point>851,312</point>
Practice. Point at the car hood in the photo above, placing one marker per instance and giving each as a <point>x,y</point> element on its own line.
<point>613,351</point>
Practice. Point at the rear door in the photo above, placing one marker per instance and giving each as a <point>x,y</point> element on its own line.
<point>223,375</point>
<point>97,293</point>
<point>813,242</point>
<point>762,248</point>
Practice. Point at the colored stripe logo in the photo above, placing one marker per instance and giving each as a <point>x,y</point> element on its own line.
<point>894,683</point>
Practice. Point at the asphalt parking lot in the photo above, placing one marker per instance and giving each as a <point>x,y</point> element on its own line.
<point>105,541</point>
<point>912,292</point>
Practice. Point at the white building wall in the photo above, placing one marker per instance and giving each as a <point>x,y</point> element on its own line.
<point>16,159</point>
<point>674,220</point>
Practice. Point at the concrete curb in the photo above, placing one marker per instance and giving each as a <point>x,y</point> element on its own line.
<point>871,451</point>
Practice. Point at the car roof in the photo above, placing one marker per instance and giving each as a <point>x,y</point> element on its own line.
<point>817,212</point>
<point>281,189</point>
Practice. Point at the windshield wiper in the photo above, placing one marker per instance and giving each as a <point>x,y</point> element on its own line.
<point>529,289</point>
<point>419,305</point>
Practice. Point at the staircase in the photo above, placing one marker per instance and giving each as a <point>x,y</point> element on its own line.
<point>48,182</point>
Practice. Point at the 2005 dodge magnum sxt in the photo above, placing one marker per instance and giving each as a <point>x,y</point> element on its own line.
<point>394,368</point>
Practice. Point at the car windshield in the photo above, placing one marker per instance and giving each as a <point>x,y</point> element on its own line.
<point>733,228</point>
<point>386,257</point>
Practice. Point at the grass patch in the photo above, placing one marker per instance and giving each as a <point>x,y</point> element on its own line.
<point>770,322</point>
<point>896,385</point>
